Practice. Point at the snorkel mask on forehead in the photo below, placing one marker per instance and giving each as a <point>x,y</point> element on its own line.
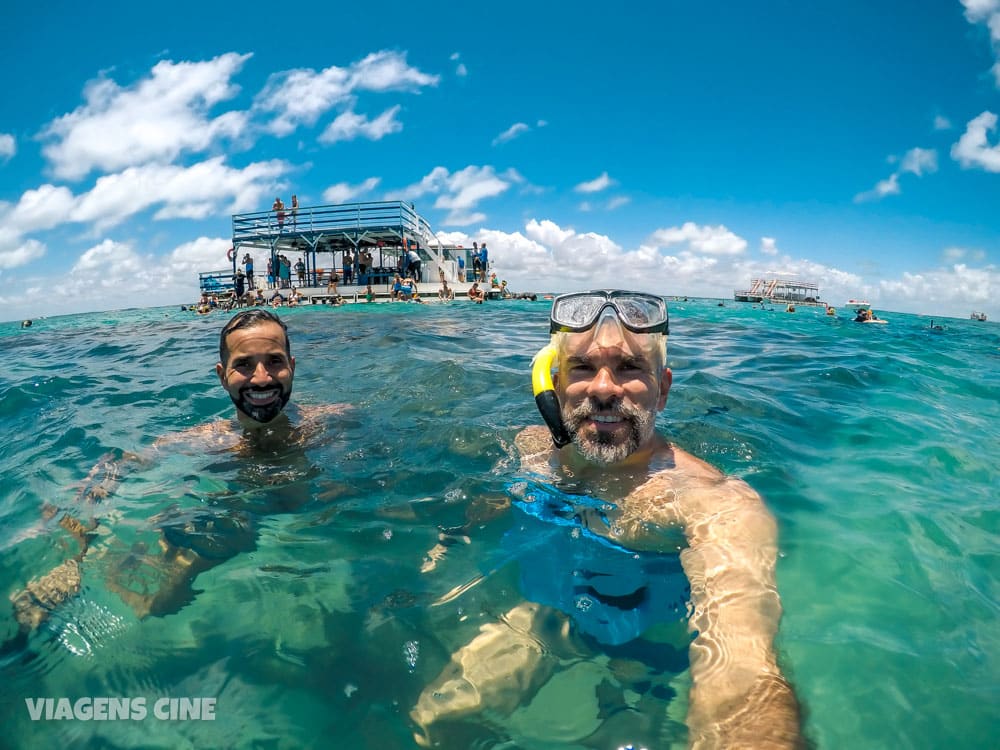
<point>636,312</point>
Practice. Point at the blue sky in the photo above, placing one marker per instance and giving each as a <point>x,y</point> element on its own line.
<point>682,148</point>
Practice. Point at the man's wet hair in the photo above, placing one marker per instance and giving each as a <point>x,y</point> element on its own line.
<point>250,318</point>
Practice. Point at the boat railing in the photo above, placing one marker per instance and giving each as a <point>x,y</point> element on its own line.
<point>258,225</point>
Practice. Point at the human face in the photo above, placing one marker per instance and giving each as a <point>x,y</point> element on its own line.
<point>610,385</point>
<point>258,375</point>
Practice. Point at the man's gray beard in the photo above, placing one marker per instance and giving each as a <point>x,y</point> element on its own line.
<point>600,449</point>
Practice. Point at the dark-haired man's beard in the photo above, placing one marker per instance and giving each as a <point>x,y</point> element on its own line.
<point>262,404</point>
<point>609,447</point>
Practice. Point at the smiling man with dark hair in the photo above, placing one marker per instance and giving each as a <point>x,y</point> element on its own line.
<point>256,366</point>
<point>256,369</point>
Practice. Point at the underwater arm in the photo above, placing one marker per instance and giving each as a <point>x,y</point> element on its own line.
<point>36,601</point>
<point>497,670</point>
<point>739,697</point>
<point>41,596</point>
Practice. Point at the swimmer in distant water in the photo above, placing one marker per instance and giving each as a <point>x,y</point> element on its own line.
<point>25,324</point>
<point>256,369</point>
<point>631,494</point>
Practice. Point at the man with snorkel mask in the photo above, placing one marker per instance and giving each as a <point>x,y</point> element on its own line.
<point>599,384</point>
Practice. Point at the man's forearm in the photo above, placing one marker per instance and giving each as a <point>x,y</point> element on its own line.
<point>767,715</point>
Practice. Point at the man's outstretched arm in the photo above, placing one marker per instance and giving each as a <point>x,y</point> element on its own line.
<point>739,697</point>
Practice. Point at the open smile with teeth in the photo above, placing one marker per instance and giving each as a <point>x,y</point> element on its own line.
<point>261,398</point>
<point>606,421</point>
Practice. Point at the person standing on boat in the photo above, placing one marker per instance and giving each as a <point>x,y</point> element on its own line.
<point>414,264</point>
<point>348,267</point>
<point>477,262</point>
<point>625,531</point>
<point>248,265</point>
<point>295,211</point>
<point>256,369</point>
<point>239,287</point>
<point>484,262</point>
<point>364,266</point>
<point>279,212</point>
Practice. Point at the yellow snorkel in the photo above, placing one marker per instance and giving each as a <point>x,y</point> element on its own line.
<point>545,395</point>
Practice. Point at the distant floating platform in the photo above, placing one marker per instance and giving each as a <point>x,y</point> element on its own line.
<point>780,291</point>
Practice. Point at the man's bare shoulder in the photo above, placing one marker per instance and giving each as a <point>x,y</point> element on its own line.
<point>321,411</point>
<point>688,486</point>
<point>687,465</point>
<point>220,433</point>
<point>534,441</point>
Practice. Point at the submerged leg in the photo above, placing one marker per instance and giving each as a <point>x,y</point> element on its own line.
<point>497,670</point>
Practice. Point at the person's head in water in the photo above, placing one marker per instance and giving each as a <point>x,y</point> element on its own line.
<point>611,377</point>
<point>256,366</point>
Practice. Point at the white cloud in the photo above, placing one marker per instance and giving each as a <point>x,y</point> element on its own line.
<point>39,209</point>
<point>464,219</point>
<point>768,246</point>
<point>21,254</point>
<point>700,239</point>
<point>548,257</point>
<point>460,69</point>
<point>958,286</point>
<point>157,119</point>
<point>942,123</point>
<point>888,186</point>
<point>388,71</point>
<point>918,161</point>
<point>980,10</point>
<point>511,133</point>
<point>195,192</point>
<point>460,193</point>
<point>973,148</point>
<point>618,202</point>
<point>955,254</point>
<point>596,185</point>
<point>8,146</point>
<point>201,254</point>
<point>343,192</point>
<point>300,97</point>
<point>192,192</point>
<point>101,272</point>
<point>348,126</point>
<point>988,12</point>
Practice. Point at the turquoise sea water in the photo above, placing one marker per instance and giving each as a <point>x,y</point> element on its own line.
<point>874,446</point>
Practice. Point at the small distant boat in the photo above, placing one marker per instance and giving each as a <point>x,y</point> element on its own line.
<point>858,303</point>
<point>980,316</point>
